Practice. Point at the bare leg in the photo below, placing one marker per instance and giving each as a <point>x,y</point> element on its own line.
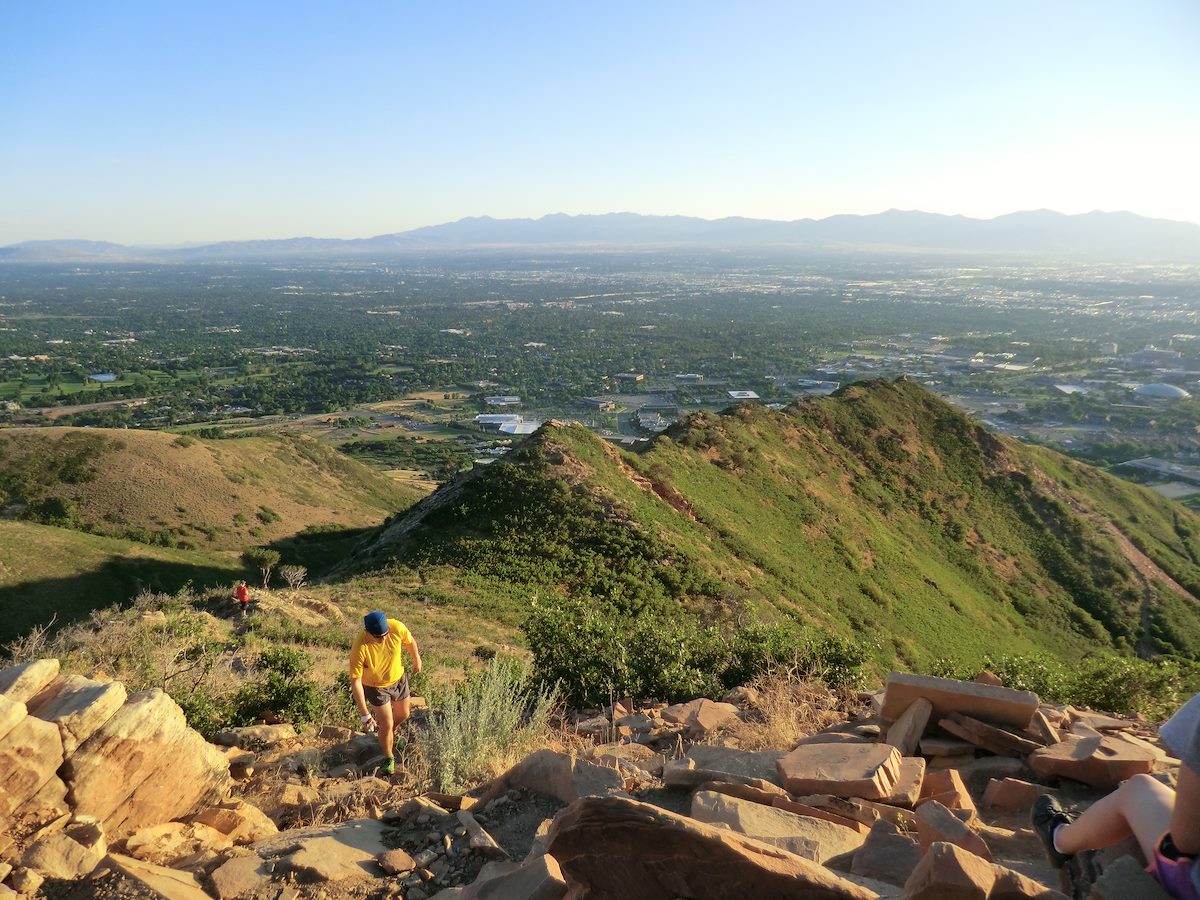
<point>400,711</point>
<point>1140,807</point>
<point>383,717</point>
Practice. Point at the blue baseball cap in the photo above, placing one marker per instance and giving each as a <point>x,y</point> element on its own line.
<point>375,623</point>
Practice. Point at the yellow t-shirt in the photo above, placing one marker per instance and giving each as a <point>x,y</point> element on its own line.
<point>380,663</point>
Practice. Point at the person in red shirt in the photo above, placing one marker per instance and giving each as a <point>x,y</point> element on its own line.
<point>242,595</point>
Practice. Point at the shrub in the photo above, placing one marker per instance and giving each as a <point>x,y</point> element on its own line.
<point>491,719</point>
<point>263,559</point>
<point>293,575</point>
<point>593,652</point>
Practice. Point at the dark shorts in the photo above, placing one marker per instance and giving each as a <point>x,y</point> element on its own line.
<point>382,696</point>
<point>1175,875</point>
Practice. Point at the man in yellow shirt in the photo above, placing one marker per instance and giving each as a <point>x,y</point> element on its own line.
<point>377,677</point>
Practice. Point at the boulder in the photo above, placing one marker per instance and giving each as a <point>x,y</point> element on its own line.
<point>906,731</point>
<point>144,766</point>
<point>988,702</point>
<point>171,842</point>
<point>1127,879</point>
<point>701,716</point>
<point>162,881</point>
<point>907,789</point>
<point>536,879</point>
<point>59,855</point>
<point>947,788</point>
<point>936,824</point>
<point>557,775</point>
<point>1010,885</point>
<point>22,682</point>
<point>1010,794</point>
<point>396,862</point>
<point>257,735</point>
<point>363,835</point>
<point>887,855</point>
<point>1102,762</point>
<point>703,762</point>
<point>638,755</point>
<point>31,753</point>
<point>241,822</point>
<point>328,859</point>
<point>766,824</point>
<point>239,876</point>
<point>617,847</point>
<point>947,872</point>
<point>478,839</point>
<point>26,881</point>
<point>844,770</point>
<point>78,706</point>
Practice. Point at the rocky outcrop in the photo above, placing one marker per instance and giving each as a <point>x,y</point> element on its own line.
<point>614,847</point>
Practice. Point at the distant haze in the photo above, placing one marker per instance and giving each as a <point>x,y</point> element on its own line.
<point>1041,233</point>
<point>155,123</point>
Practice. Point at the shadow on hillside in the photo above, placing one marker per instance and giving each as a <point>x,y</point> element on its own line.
<point>117,581</point>
<point>321,549</point>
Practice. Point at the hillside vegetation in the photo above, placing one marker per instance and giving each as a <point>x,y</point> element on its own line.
<point>183,492</point>
<point>879,515</point>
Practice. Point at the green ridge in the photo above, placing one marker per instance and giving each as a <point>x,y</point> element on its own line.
<point>881,513</point>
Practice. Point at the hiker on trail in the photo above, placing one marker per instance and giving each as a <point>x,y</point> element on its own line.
<point>378,678</point>
<point>1165,822</point>
<point>242,595</point>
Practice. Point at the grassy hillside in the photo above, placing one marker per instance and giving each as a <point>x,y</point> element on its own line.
<point>183,492</point>
<point>881,513</point>
<point>48,572</point>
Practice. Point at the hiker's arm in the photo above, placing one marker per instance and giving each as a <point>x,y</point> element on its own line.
<point>360,699</point>
<point>416,654</point>
<point>1185,820</point>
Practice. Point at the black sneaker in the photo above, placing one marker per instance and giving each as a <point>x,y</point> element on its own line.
<point>1047,815</point>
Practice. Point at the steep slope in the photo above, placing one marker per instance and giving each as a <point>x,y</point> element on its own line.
<point>881,512</point>
<point>184,492</point>
<point>56,573</point>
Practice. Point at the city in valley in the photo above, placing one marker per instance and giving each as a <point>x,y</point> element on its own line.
<point>425,366</point>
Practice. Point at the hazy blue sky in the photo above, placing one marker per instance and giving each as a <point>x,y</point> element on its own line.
<point>174,121</point>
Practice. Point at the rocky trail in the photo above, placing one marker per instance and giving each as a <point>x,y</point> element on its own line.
<point>919,790</point>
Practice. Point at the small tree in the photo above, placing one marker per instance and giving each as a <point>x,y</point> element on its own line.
<point>293,575</point>
<point>262,559</point>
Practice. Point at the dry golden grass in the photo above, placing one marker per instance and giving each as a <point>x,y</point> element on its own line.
<point>785,708</point>
<point>225,494</point>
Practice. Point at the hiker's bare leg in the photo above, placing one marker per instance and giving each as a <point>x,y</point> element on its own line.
<point>400,711</point>
<point>383,717</point>
<point>1140,807</point>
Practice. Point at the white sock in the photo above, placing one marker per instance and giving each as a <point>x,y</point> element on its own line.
<point>1054,841</point>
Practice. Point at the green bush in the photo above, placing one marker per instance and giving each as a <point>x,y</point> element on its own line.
<point>594,652</point>
<point>496,712</point>
<point>284,691</point>
<point>1123,685</point>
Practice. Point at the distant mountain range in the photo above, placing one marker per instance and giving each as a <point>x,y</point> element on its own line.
<point>1103,235</point>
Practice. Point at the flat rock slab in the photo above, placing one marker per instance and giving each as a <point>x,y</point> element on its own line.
<point>704,763</point>
<point>536,879</point>
<point>78,706</point>
<point>617,847</point>
<point>887,855</point>
<point>22,682</point>
<point>776,827</point>
<point>364,835</point>
<point>983,701</point>
<point>1102,762</point>
<point>240,875</point>
<point>163,881</point>
<point>558,775</point>
<point>869,771</point>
